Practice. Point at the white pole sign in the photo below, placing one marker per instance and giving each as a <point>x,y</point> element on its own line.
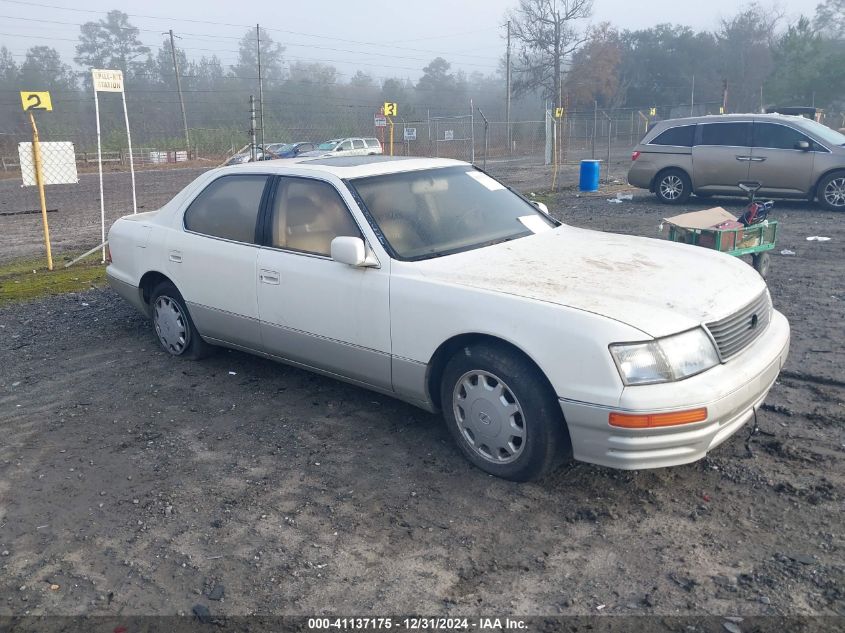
<point>111,81</point>
<point>107,80</point>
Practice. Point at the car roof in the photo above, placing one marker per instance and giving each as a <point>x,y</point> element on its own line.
<point>727,118</point>
<point>347,166</point>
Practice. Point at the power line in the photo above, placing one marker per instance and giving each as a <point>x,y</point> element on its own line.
<point>295,44</point>
<point>245,26</point>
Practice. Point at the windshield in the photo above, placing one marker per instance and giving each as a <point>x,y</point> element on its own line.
<point>436,212</point>
<point>829,136</point>
<point>327,146</point>
<point>280,147</point>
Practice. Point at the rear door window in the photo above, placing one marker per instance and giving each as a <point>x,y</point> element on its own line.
<point>228,208</point>
<point>776,136</point>
<point>358,143</point>
<point>681,136</point>
<point>729,134</point>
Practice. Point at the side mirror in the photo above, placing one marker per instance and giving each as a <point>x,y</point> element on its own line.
<point>352,251</point>
<point>542,207</point>
<point>804,146</point>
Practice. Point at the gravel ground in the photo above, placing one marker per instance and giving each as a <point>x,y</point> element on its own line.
<point>134,483</point>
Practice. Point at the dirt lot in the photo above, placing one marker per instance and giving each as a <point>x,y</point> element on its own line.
<point>138,484</point>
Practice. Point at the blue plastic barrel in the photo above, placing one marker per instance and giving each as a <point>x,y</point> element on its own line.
<point>590,175</point>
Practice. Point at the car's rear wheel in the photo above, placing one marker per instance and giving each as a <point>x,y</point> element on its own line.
<point>173,325</point>
<point>672,186</point>
<point>761,262</point>
<point>502,412</point>
<point>831,191</point>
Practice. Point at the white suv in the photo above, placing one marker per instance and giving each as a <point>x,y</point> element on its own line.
<point>352,146</point>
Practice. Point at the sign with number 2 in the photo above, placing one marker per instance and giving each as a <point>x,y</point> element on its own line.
<point>36,101</point>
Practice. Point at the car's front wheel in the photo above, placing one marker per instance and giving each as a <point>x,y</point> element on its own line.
<point>673,186</point>
<point>502,412</point>
<point>173,325</point>
<point>831,191</point>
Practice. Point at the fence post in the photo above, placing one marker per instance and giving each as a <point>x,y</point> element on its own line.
<point>607,171</point>
<point>428,120</point>
<point>472,132</point>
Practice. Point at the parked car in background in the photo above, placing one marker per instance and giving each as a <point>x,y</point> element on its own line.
<point>428,280</point>
<point>273,151</point>
<point>288,150</point>
<point>791,156</point>
<point>244,157</point>
<point>356,146</point>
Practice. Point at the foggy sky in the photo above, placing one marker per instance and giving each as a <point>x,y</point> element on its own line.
<point>385,38</point>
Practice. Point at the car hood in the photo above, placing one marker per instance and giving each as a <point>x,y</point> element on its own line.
<point>656,286</point>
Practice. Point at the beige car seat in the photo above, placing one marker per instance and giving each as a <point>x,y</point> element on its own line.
<point>313,221</point>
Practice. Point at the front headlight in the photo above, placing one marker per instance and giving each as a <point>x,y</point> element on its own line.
<point>665,360</point>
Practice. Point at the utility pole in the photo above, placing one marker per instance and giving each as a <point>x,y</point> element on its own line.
<point>508,90</point>
<point>260,86</point>
<point>181,99</point>
<point>252,149</point>
<point>724,96</point>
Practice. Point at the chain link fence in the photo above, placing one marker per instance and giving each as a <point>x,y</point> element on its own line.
<point>522,153</point>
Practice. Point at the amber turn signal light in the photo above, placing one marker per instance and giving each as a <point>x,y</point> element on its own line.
<point>652,420</point>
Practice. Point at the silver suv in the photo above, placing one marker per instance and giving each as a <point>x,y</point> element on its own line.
<point>356,146</point>
<point>792,157</point>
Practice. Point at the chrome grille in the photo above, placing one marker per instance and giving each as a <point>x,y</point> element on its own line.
<point>736,332</point>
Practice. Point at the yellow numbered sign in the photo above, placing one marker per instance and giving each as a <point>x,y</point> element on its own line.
<point>390,109</point>
<point>558,113</point>
<point>652,111</point>
<point>721,109</point>
<point>36,101</point>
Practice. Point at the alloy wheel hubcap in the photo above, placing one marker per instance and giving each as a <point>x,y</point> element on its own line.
<point>834,193</point>
<point>671,187</point>
<point>170,325</point>
<point>489,417</point>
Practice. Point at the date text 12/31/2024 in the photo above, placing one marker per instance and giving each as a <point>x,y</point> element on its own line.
<point>417,624</point>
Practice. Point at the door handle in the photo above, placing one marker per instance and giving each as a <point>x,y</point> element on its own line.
<point>269,277</point>
<point>757,159</point>
<point>743,158</point>
<point>176,256</point>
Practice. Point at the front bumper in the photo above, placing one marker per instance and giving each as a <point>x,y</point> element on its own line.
<point>731,392</point>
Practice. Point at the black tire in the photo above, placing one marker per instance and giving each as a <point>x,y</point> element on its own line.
<point>761,262</point>
<point>544,442</point>
<point>672,186</point>
<point>830,191</point>
<point>170,315</point>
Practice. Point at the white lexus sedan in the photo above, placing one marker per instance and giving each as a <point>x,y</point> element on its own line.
<point>428,280</point>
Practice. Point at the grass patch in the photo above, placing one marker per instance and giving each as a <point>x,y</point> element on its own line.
<point>546,197</point>
<point>28,279</point>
